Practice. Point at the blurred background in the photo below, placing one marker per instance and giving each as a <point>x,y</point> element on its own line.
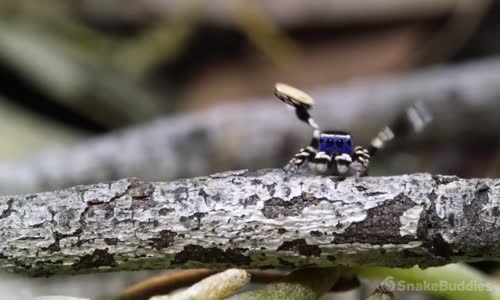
<point>76,76</point>
<point>95,90</point>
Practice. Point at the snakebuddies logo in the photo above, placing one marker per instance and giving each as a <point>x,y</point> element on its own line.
<point>390,284</point>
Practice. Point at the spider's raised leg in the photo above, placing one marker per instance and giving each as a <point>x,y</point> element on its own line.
<point>413,120</point>
<point>302,103</point>
<point>296,98</point>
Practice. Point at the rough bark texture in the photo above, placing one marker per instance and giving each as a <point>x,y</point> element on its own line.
<point>252,220</point>
<point>263,134</point>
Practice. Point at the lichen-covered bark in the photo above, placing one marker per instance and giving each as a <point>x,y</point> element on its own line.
<point>249,219</point>
<point>263,134</point>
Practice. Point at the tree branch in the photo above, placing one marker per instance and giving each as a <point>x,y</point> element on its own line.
<point>252,219</point>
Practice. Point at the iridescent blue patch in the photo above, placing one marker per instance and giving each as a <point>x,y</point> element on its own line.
<point>335,143</point>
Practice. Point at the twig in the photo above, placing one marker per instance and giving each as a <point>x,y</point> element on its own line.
<point>166,283</point>
<point>217,286</point>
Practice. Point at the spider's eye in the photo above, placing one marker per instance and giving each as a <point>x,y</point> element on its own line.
<point>339,143</point>
<point>321,140</point>
<point>329,142</point>
<point>348,142</point>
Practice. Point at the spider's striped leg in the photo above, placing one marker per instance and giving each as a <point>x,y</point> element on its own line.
<point>305,154</point>
<point>320,163</point>
<point>361,161</point>
<point>413,120</point>
<point>343,164</point>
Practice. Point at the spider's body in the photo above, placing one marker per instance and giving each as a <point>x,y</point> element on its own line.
<point>335,143</point>
<point>332,152</point>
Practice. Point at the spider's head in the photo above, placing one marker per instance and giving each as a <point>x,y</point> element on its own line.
<point>336,142</point>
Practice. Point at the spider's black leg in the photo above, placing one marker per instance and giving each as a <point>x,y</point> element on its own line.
<point>298,100</point>
<point>304,116</point>
<point>413,120</point>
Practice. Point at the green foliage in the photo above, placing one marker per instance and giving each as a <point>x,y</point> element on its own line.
<point>453,282</point>
<point>303,284</point>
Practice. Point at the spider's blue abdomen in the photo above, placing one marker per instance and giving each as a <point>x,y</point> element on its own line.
<point>335,143</point>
